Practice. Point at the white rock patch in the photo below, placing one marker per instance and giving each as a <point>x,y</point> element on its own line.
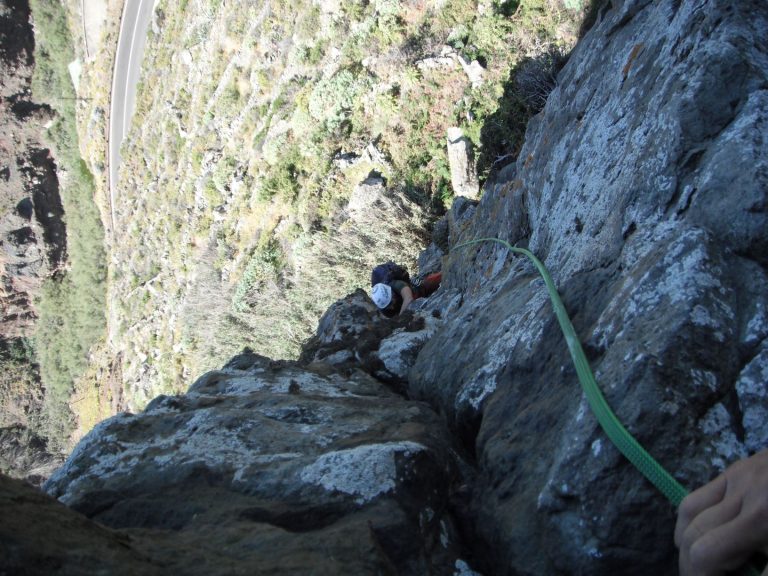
<point>365,471</point>
<point>752,390</point>
<point>725,446</point>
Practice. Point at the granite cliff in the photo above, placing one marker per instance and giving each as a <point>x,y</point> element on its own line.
<point>456,438</point>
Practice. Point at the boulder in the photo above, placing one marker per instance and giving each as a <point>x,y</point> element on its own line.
<point>354,335</point>
<point>274,468</point>
<point>474,71</point>
<point>41,536</point>
<point>366,195</point>
<point>461,160</point>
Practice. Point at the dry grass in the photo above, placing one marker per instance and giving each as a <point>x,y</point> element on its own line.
<point>231,89</point>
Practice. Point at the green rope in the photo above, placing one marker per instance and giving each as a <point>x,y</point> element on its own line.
<point>619,435</point>
<point>613,428</point>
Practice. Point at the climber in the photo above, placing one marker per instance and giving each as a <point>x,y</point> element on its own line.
<point>393,291</point>
<point>720,525</point>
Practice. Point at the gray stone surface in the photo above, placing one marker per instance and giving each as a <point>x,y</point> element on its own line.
<point>353,335</point>
<point>642,185</point>
<point>282,468</point>
<point>462,163</point>
<point>431,259</point>
<point>366,195</point>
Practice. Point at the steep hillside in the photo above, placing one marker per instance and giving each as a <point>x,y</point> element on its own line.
<point>52,253</point>
<point>32,244</point>
<point>455,439</point>
<point>264,137</point>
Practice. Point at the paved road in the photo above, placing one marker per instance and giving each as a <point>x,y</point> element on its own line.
<point>130,50</point>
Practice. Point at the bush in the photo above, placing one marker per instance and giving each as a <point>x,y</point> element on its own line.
<point>333,98</point>
<point>224,172</point>
<point>312,55</point>
<point>282,180</point>
<point>261,278</point>
<point>72,304</point>
<point>536,77</point>
<point>231,97</point>
<point>387,8</point>
<point>212,195</point>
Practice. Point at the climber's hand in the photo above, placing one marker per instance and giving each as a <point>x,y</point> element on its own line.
<point>408,297</point>
<point>720,525</point>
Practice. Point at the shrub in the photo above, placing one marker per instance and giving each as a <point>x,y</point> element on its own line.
<point>72,304</point>
<point>354,10</point>
<point>312,55</point>
<point>261,277</point>
<point>231,97</point>
<point>281,182</point>
<point>490,35</point>
<point>386,108</point>
<point>456,12</point>
<point>387,8</point>
<point>223,172</point>
<point>536,77</point>
<point>333,98</point>
<point>308,24</point>
<point>212,195</point>
<point>390,30</point>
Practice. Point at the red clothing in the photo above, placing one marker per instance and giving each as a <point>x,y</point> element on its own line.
<point>428,285</point>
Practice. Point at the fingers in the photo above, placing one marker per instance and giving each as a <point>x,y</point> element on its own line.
<point>728,546</point>
<point>696,502</point>
<point>723,523</point>
<point>697,523</point>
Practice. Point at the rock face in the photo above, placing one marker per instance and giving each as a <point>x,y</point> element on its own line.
<point>642,186</point>
<point>32,241</point>
<point>24,454</point>
<point>290,469</point>
<point>32,231</point>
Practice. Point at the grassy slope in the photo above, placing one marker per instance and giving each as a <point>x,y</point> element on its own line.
<point>231,215</point>
<point>71,308</point>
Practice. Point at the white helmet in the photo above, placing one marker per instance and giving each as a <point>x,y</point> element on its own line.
<point>381,294</point>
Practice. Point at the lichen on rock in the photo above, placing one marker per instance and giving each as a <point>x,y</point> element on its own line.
<point>455,439</point>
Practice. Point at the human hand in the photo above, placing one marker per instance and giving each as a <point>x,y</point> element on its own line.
<point>720,525</point>
<point>408,297</point>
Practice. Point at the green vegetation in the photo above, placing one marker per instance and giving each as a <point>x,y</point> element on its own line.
<point>257,126</point>
<point>261,275</point>
<point>19,387</point>
<point>72,306</point>
<point>333,99</point>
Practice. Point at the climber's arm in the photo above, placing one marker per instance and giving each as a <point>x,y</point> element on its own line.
<point>407,295</point>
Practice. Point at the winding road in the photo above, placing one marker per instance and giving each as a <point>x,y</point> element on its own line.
<point>130,50</point>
